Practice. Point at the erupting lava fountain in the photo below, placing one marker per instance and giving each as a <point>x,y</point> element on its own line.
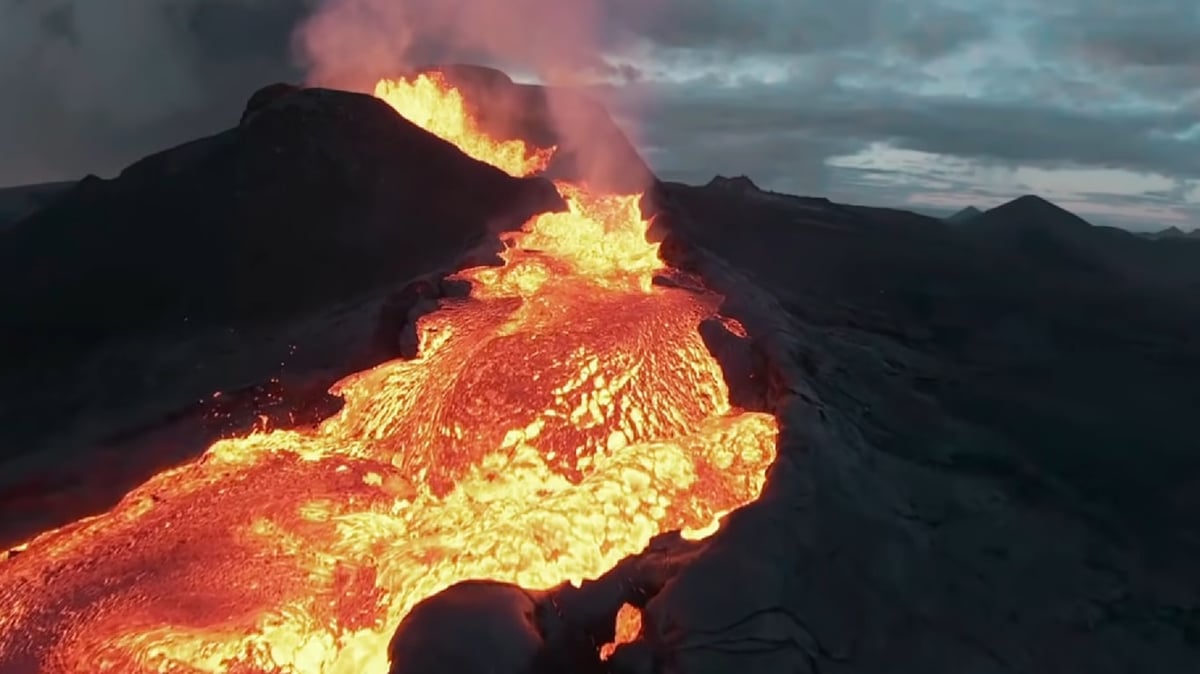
<point>553,421</point>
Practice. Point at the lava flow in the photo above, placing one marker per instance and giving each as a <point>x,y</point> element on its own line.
<point>553,421</point>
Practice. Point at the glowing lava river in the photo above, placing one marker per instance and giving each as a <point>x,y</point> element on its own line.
<point>553,421</point>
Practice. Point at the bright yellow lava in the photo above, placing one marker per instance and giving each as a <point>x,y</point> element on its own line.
<point>430,103</point>
<point>552,423</point>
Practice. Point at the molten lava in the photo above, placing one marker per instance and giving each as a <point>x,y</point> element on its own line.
<point>628,629</point>
<point>551,424</point>
<point>430,103</point>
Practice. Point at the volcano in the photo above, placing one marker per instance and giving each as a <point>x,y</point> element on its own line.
<point>556,415</point>
<point>477,394</point>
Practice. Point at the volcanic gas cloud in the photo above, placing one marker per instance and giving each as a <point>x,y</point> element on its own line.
<point>553,421</point>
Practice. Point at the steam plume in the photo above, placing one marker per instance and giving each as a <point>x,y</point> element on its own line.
<point>352,43</point>
<point>557,39</point>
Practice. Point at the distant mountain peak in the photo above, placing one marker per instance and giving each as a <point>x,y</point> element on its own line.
<point>1032,203</point>
<point>739,183</point>
<point>1173,232</point>
<point>1031,210</point>
<point>1032,199</point>
<point>964,216</point>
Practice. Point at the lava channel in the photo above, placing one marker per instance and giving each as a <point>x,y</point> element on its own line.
<point>552,422</point>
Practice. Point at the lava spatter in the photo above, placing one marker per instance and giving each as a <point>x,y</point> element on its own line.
<point>552,422</point>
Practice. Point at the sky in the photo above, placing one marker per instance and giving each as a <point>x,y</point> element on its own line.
<point>924,104</point>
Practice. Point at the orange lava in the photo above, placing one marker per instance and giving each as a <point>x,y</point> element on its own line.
<point>430,103</point>
<point>629,628</point>
<point>551,424</point>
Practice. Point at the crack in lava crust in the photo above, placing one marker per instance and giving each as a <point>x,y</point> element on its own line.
<point>552,423</point>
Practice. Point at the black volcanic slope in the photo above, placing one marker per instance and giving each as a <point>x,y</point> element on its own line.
<point>1031,212</point>
<point>1045,240</point>
<point>315,196</point>
<point>1037,346</point>
<point>19,201</point>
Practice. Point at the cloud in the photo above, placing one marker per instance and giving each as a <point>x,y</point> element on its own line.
<point>791,27</point>
<point>987,110</point>
<point>1191,193</point>
<point>719,123</point>
<point>92,86</point>
<point>1148,33</point>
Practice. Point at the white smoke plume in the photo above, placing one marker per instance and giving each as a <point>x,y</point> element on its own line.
<point>352,43</point>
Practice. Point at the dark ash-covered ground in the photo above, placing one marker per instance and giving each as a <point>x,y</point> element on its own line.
<point>989,461</point>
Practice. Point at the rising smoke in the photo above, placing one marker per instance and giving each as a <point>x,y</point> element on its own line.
<point>568,43</point>
<point>92,86</point>
<point>558,40</point>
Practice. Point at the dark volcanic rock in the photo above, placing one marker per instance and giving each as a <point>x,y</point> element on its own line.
<point>591,147</point>
<point>1048,241</point>
<point>397,316</point>
<point>1028,347</point>
<point>318,198</point>
<point>736,184</point>
<point>20,201</point>
<point>979,472</point>
<point>982,467</point>
<point>1031,212</point>
<point>266,96</point>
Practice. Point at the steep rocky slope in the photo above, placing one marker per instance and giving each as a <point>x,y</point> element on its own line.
<point>315,199</point>
<point>978,473</point>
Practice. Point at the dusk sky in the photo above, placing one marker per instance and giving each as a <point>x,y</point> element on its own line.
<point>924,104</point>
